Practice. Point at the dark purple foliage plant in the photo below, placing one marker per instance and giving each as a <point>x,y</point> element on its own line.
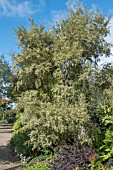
<point>70,157</point>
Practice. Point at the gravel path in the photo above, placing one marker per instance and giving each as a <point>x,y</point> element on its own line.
<point>8,159</point>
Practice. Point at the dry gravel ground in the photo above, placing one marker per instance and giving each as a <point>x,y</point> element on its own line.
<point>8,159</point>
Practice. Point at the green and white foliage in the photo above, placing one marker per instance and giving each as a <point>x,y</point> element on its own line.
<point>56,74</point>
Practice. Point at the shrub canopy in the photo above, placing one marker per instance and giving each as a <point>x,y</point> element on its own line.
<point>58,82</point>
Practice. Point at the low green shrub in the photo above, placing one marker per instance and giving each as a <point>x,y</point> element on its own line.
<point>18,124</point>
<point>20,138</point>
<point>40,162</point>
<point>96,164</point>
<point>0,115</point>
<point>19,143</point>
<point>40,166</point>
<point>10,116</point>
<point>106,149</point>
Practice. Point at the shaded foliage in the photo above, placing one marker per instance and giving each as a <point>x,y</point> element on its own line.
<point>72,157</point>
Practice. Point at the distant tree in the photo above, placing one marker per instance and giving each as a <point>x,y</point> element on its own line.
<point>5,72</point>
<point>5,84</point>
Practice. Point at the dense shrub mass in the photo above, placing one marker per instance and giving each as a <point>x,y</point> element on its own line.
<point>60,124</point>
<point>61,90</point>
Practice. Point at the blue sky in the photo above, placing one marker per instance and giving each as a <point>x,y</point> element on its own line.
<point>16,12</point>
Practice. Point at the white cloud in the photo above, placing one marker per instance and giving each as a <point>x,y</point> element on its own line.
<point>26,8</point>
<point>109,39</point>
<point>110,36</point>
<point>58,15</point>
<point>73,4</point>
